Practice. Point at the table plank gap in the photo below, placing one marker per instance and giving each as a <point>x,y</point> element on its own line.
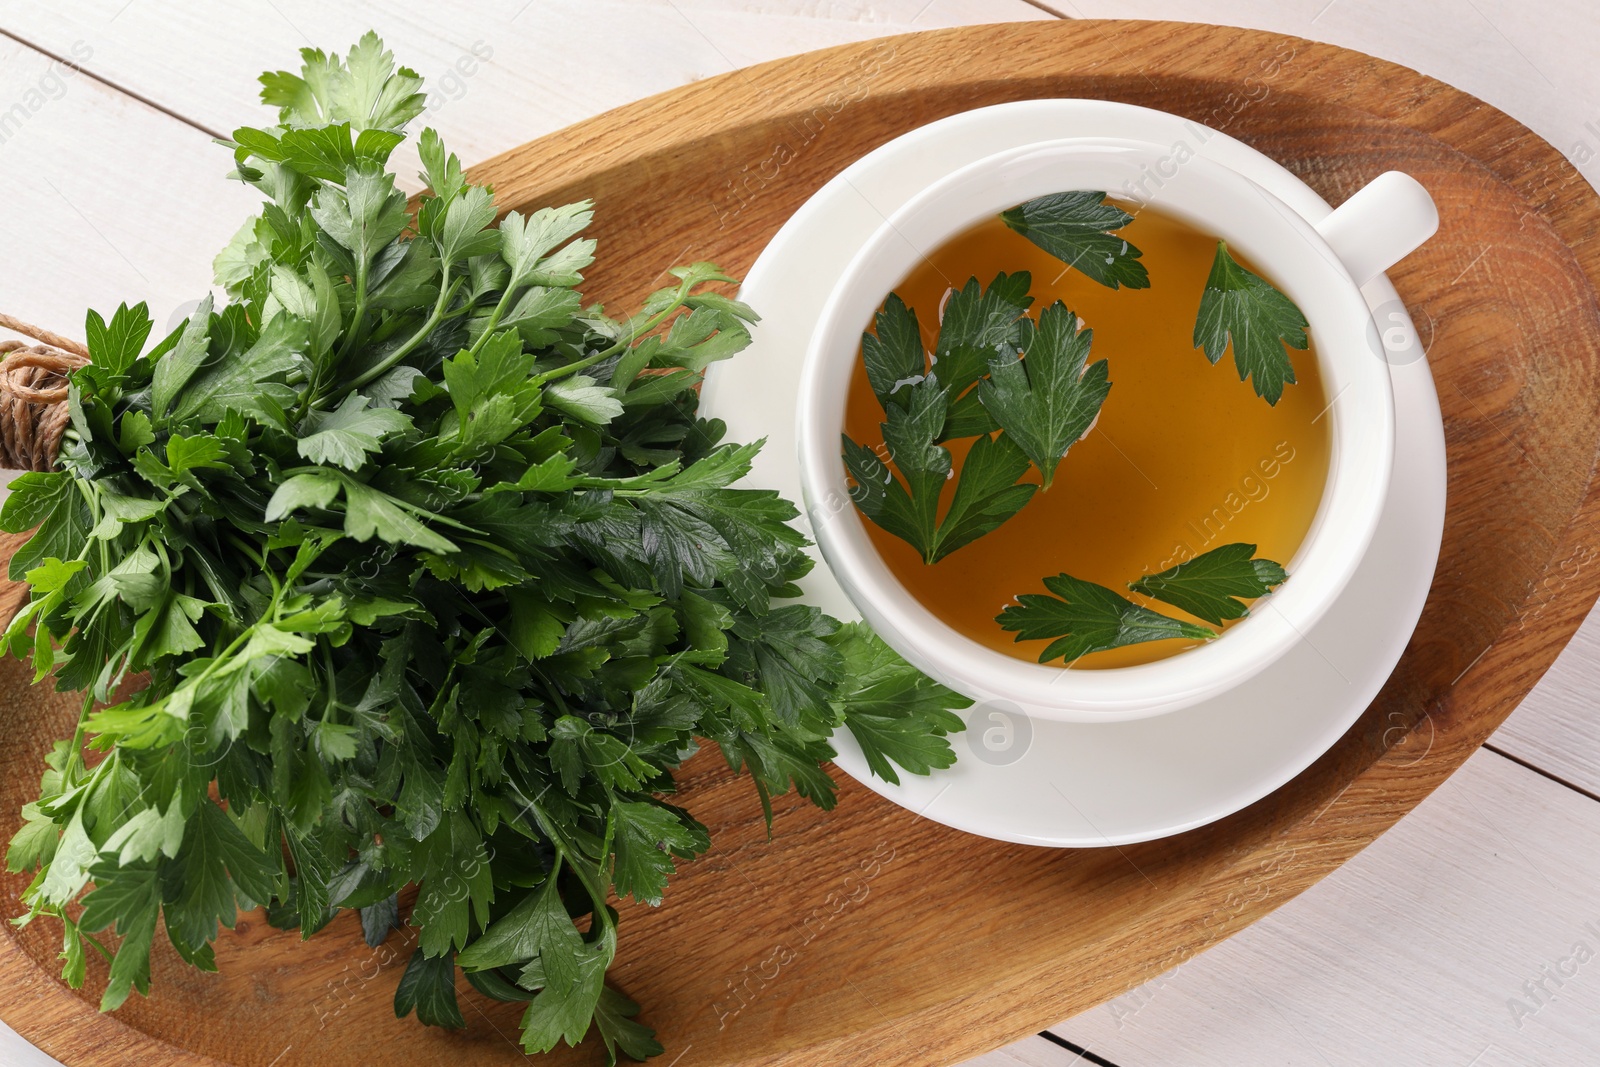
<point>1520,761</point>
<point>1435,945</point>
<point>109,83</point>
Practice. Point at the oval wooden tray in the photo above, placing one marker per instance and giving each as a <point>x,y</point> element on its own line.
<point>872,936</point>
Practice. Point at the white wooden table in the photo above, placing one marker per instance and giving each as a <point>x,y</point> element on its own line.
<point>1466,936</point>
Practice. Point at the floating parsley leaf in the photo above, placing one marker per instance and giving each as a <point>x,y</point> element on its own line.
<point>1046,400</point>
<point>980,324</point>
<point>925,407</point>
<point>1213,585</point>
<point>1082,617</point>
<point>906,506</point>
<point>893,353</point>
<point>1076,228</point>
<point>988,492</point>
<point>1244,309</point>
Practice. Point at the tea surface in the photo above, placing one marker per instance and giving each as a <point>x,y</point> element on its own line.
<point>1185,457</point>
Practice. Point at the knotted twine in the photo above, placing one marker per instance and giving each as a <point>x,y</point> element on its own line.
<point>33,395</point>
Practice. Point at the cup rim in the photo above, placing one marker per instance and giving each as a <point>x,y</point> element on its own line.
<point>1220,201</point>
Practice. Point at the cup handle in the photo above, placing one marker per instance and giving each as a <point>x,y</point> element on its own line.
<point>1385,221</point>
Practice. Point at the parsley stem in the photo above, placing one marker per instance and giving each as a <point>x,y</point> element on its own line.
<point>564,847</point>
<point>333,678</point>
<point>550,690</point>
<point>512,284</point>
<point>75,750</point>
<point>359,315</point>
<point>622,342</point>
<point>446,294</point>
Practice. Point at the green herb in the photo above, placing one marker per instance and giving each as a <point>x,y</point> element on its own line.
<point>1077,228</point>
<point>1213,585</point>
<point>987,492</point>
<point>992,370</point>
<point>983,328</point>
<point>1082,617</point>
<point>1048,400</point>
<point>434,577</point>
<point>1244,310</point>
<point>980,325</point>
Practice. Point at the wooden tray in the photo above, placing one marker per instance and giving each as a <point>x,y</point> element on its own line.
<point>872,936</point>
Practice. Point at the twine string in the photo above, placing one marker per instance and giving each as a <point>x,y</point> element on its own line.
<point>33,394</point>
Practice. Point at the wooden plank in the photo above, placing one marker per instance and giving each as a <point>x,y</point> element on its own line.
<point>1557,729</point>
<point>16,1051</point>
<point>498,75</point>
<point>105,199</point>
<point>1466,935</point>
<point>1539,70</point>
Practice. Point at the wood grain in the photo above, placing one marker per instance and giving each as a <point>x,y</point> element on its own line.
<point>870,935</point>
<point>78,158</point>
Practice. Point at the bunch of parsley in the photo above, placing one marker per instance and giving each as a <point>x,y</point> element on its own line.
<point>405,568</point>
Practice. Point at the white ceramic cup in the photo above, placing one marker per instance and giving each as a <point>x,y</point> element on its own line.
<point>1321,268</point>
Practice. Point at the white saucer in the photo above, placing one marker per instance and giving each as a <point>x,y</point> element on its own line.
<point>1091,784</point>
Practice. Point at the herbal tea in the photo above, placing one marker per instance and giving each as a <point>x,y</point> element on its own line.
<point>1173,461</point>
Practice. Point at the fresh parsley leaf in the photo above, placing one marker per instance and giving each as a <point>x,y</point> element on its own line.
<point>114,347</point>
<point>457,885</point>
<point>242,380</point>
<point>647,837</point>
<point>377,919</point>
<point>365,90</point>
<point>538,926</point>
<point>1081,617</point>
<point>130,898</point>
<point>215,856</point>
<point>1214,585</point>
<point>582,398</point>
<point>363,217</point>
<point>1078,229</point>
<point>897,714</point>
<point>33,496</point>
<point>345,436</point>
<point>1243,310</point>
<point>613,1017</point>
<point>429,986</point>
<point>536,249</point>
<point>1046,400</point>
<point>559,1014</point>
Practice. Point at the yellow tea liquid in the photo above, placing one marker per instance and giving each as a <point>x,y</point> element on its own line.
<point>1185,457</point>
